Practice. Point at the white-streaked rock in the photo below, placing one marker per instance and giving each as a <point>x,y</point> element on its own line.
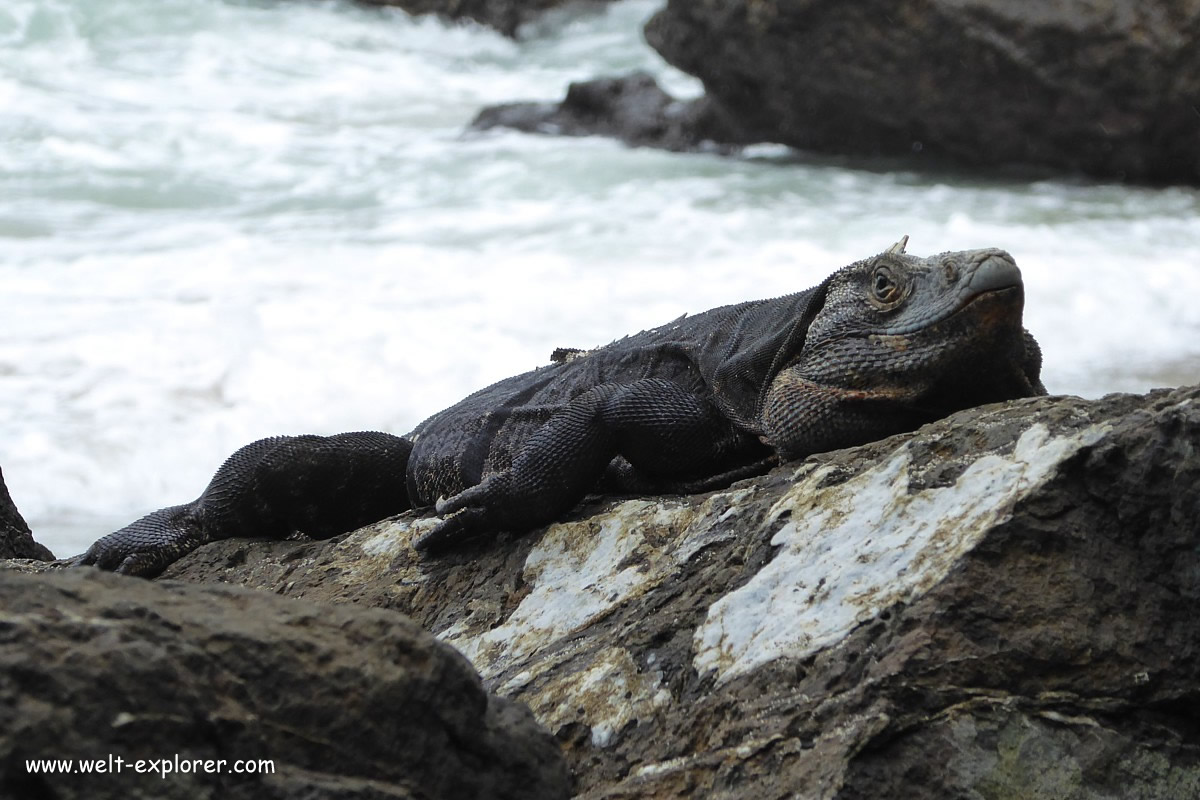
<point>851,550</point>
<point>575,574</point>
<point>609,693</point>
<point>582,570</point>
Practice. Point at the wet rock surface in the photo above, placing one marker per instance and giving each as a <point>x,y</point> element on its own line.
<point>506,16</point>
<point>632,108</point>
<point>1106,89</point>
<point>15,539</point>
<point>343,702</point>
<point>1002,604</point>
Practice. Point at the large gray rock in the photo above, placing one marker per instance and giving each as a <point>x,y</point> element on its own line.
<point>15,539</point>
<point>1002,604</point>
<point>344,702</point>
<point>1105,88</point>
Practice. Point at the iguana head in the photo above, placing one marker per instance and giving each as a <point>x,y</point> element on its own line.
<point>940,333</point>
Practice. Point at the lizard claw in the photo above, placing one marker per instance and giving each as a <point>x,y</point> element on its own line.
<point>474,496</point>
<point>464,516</point>
<point>451,531</point>
<point>99,555</point>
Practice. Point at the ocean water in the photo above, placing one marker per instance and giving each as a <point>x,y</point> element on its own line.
<point>225,220</point>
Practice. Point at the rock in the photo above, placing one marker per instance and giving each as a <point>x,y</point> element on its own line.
<point>505,16</point>
<point>1002,604</point>
<point>344,702</point>
<point>16,541</point>
<point>1107,89</point>
<point>632,108</point>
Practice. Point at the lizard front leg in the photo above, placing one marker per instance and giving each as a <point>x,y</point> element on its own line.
<point>664,431</point>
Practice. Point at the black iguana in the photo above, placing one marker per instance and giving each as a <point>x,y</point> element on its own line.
<point>881,346</point>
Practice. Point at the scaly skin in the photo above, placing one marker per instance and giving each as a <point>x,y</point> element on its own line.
<point>881,346</point>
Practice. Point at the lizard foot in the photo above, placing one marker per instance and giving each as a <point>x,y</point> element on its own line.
<point>146,546</point>
<point>116,559</point>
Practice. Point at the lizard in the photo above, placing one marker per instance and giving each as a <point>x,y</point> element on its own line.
<point>879,347</point>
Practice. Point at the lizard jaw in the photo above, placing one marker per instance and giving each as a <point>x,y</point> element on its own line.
<point>994,282</point>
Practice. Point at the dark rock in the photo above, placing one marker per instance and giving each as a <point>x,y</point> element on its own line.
<point>15,539</point>
<point>345,702</point>
<point>1001,604</point>
<point>632,108</point>
<point>505,16</point>
<point>1108,89</point>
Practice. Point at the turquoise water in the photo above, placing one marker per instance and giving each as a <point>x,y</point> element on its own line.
<point>222,220</point>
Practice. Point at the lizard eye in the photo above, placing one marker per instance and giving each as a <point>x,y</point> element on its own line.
<point>884,285</point>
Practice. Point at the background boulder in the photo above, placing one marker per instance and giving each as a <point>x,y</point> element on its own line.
<point>1107,89</point>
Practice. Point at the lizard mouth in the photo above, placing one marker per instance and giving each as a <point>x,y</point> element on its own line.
<point>995,311</point>
<point>1001,297</point>
<point>993,295</point>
